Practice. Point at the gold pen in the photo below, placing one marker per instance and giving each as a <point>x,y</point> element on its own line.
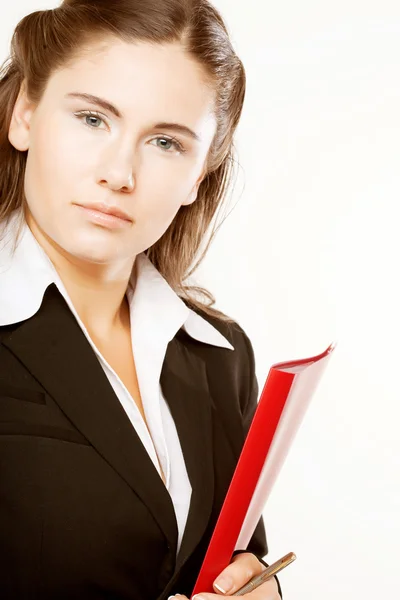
<point>269,572</point>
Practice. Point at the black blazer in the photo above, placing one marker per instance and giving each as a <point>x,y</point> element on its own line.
<point>83,512</point>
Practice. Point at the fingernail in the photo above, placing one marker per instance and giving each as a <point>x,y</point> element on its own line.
<point>224,584</point>
<point>198,597</point>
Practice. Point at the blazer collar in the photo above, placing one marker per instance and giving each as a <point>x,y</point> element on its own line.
<point>52,347</point>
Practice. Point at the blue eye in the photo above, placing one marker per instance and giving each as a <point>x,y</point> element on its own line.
<point>175,143</point>
<point>91,117</point>
<point>164,140</point>
<point>86,115</point>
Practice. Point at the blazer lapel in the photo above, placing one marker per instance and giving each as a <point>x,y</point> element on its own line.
<point>54,349</point>
<point>185,387</point>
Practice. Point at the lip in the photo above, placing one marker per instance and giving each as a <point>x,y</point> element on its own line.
<point>107,220</point>
<point>107,210</point>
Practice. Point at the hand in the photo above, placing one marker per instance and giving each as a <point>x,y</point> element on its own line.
<point>242,568</point>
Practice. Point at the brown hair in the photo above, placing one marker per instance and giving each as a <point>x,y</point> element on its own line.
<point>47,40</point>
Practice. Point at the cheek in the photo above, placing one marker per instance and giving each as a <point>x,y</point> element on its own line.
<point>158,216</point>
<point>167,182</point>
<point>156,211</point>
<point>159,196</point>
<point>54,165</point>
<point>163,193</point>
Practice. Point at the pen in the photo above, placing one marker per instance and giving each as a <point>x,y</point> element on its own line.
<point>269,572</point>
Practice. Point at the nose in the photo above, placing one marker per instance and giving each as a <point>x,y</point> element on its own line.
<point>118,180</point>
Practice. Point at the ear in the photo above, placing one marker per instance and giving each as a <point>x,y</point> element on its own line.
<point>19,130</point>
<point>193,194</point>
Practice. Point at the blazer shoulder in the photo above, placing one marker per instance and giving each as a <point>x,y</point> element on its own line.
<point>240,362</point>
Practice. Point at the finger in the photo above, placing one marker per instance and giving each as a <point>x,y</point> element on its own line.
<point>266,591</point>
<point>242,568</point>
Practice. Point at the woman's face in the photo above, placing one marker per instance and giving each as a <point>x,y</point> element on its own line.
<point>80,153</point>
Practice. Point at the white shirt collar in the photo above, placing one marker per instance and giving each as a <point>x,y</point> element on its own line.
<point>154,306</point>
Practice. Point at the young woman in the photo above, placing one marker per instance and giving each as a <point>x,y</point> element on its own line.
<point>124,399</point>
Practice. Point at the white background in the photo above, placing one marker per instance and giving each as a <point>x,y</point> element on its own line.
<point>310,254</point>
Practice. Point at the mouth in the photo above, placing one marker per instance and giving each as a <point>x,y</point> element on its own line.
<point>113,211</point>
<point>109,217</point>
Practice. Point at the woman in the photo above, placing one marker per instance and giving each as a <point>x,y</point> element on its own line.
<point>124,400</point>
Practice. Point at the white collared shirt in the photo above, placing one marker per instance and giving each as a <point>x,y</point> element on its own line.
<point>156,313</point>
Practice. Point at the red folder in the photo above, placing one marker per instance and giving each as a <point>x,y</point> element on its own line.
<point>283,402</point>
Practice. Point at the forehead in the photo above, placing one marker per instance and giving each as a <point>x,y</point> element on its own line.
<point>140,76</point>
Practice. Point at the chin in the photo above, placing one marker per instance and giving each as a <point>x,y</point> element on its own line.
<point>92,251</point>
<point>97,256</point>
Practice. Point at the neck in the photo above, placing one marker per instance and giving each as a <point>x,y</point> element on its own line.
<point>97,291</point>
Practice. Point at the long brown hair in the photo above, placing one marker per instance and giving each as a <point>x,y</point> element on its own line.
<point>47,40</point>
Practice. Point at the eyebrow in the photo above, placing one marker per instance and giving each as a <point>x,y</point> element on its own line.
<point>114,110</point>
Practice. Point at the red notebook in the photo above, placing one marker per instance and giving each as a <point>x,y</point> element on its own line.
<point>283,402</point>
